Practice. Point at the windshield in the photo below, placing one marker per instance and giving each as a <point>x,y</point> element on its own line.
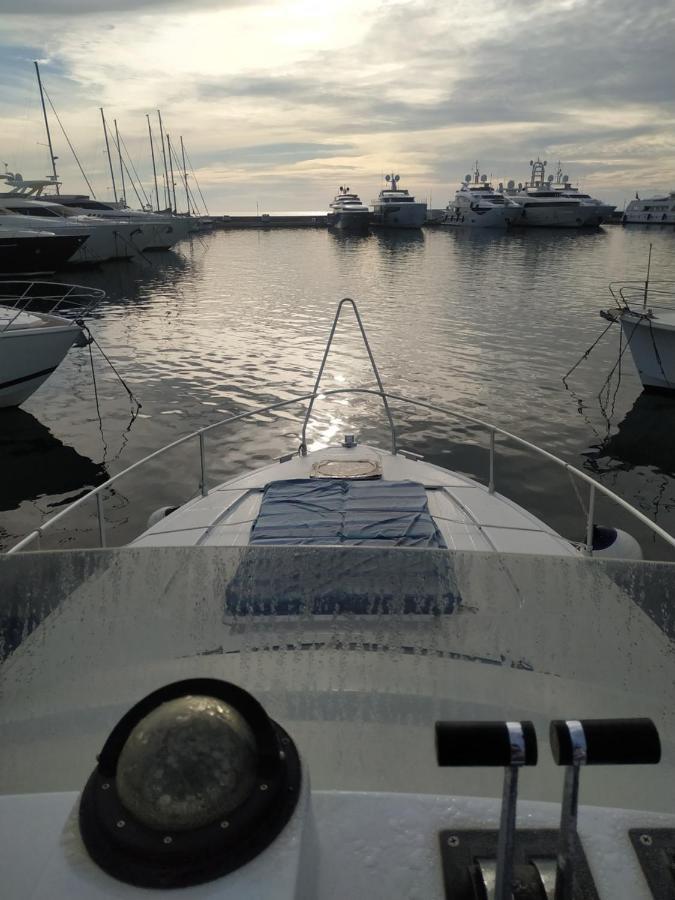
<point>356,651</point>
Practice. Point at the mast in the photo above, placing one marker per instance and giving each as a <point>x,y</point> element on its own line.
<point>173,183</point>
<point>166,171</point>
<point>187,189</point>
<point>154,168</point>
<point>107,147</point>
<point>119,153</point>
<point>49,137</point>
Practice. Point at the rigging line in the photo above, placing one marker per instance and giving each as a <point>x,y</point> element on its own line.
<point>98,407</point>
<point>125,169</point>
<point>586,354</point>
<point>617,363</point>
<point>656,352</point>
<point>72,149</point>
<point>126,387</point>
<point>197,182</point>
<point>147,201</point>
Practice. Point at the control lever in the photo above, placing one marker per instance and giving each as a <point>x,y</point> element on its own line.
<point>593,742</point>
<point>508,744</point>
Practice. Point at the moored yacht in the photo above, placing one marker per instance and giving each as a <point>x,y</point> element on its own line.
<point>595,210</point>
<point>478,205</point>
<point>27,252</point>
<point>348,212</point>
<point>545,207</point>
<point>396,208</point>
<point>658,210</point>
<point>33,342</point>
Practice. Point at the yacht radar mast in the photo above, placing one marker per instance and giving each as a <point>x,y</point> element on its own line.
<point>538,171</point>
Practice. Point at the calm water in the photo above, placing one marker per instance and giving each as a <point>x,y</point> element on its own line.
<point>485,323</point>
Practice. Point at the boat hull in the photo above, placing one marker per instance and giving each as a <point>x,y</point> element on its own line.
<point>28,357</point>
<point>37,255</point>
<point>400,215</point>
<point>349,221</point>
<point>497,217</point>
<point>652,346</point>
<point>553,216</point>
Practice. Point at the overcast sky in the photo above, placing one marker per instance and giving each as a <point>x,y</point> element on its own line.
<point>280,102</point>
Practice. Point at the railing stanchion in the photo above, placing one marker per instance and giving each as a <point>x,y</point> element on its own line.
<point>491,483</point>
<point>203,486</point>
<point>38,535</point>
<point>101,520</point>
<point>589,520</point>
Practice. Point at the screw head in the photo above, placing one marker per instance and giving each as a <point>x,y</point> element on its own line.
<point>646,839</point>
<point>120,823</point>
<point>224,824</point>
<point>263,787</point>
<point>105,787</point>
<point>453,841</point>
<point>167,840</point>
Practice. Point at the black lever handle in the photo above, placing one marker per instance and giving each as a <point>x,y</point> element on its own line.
<point>486,744</point>
<point>604,742</point>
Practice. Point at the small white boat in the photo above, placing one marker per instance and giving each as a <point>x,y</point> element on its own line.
<point>396,208</point>
<point>658,210</point>
<point>33,343</point>
<point>347,212</point>
<point>478,205</point>
<point>646,313</point>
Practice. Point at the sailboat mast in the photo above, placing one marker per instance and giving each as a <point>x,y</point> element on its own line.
<point>107,147</point>
<point>173,183</point>
<point>119,154</point>
<point>187,189</point>
<point>166,171</point>
<point>154,168</point>
<point>49,137</point>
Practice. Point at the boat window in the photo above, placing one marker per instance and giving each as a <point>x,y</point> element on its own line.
<point>41,211</point>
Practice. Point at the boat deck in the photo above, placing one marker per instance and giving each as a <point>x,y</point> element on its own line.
<point>466,514</point>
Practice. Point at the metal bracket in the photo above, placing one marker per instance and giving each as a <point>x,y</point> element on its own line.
<point>467,857</point>
<point>655,848</point>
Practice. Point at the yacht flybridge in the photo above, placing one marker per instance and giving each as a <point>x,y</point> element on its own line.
<point>478,205</point>
<point>347,211</point>
<point>396,208</point>
<point>308,681</point>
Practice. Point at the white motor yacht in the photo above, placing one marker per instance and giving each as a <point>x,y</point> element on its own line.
<point>595,210</point>
<point>658,210</point>
<point>478,205</point>
<point>545,207</point>
<point>396,208</point>
<point>26,252</point>
<point>348,212</point>
<point>347,674</point>
<point>113,239</point>
<point>33,342</point>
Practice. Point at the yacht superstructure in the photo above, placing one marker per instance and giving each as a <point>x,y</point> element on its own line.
<point>396,208</point>
<point>658,210</point>
<point>478,205</point>
<point>348,212</point>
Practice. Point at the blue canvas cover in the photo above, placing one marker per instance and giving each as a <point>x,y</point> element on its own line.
<point>340,511</point>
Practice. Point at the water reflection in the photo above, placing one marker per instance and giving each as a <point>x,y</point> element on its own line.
<point>645,437</point>
<point>37,464</point>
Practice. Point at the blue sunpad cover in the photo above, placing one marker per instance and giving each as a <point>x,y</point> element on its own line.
<point>340,511</point>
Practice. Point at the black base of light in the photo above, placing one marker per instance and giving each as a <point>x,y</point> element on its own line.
<point>461,877</point>
<point>655,848</point>
<point>146,857</point>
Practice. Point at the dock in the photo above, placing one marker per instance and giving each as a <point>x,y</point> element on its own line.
<point>270,220</point>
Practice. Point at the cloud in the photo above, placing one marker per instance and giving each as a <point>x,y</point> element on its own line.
<point>94,7</point>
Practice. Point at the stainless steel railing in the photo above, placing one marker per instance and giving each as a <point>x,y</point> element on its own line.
<point>594,487</point>
<point>52,298</point>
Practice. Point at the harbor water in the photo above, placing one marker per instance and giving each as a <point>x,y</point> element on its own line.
<point>486,324</point>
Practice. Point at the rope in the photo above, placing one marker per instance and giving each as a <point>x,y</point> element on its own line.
<point>98,407</point>
<point>72,149</point>
<point>656,352</point>
<point>147,201</point>
<point>586,354</point>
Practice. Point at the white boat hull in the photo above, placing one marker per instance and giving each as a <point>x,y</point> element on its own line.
<point>497,217</point>
<point>554,216</point>
<point>28,357</point>
<point>652,344</point>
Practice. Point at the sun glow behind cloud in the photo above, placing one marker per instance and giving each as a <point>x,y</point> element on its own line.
<point>280,101</point>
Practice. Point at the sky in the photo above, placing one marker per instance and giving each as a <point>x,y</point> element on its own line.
<point>281,101</point>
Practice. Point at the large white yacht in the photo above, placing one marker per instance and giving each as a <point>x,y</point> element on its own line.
<point>35,335</point>
<point>348,212</point>
<point>348,674</point>
<point>546,206</point>
<point>396,208</point>
<point>595,210</point>
<point>658,210</point>
<point>478,205</point>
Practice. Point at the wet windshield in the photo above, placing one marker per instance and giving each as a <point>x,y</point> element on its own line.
<point>356,651</point>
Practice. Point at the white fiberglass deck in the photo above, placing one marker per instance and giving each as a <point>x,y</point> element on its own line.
<point>467,515</point>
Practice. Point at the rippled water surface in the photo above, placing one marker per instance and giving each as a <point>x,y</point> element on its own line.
<point>485,323</point>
